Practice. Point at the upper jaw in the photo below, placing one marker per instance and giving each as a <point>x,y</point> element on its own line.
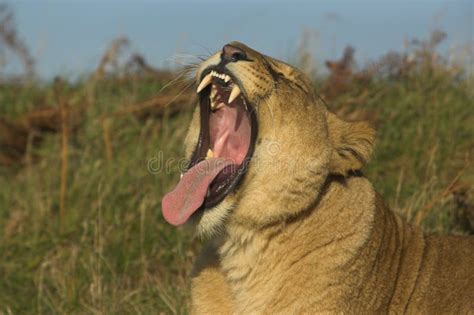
<point>222,76</point>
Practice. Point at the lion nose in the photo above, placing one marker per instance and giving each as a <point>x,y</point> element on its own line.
<point>232,54</point>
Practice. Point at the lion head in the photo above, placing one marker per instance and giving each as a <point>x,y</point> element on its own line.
<point>261,144</point>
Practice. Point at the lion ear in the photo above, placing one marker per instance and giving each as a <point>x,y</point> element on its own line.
<point>353,143</point>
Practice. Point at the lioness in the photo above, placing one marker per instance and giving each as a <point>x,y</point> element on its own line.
<point>274,182</point>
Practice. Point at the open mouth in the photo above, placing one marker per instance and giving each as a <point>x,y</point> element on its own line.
<point>224,148</point>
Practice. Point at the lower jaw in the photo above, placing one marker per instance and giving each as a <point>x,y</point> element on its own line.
<point>219,189</point>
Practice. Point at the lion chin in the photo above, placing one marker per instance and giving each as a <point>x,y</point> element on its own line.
<point>274,183</point>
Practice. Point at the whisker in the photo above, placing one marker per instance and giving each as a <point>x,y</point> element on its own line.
<point>209,52</point>
<point>178,94</point>
<point>175,81</point>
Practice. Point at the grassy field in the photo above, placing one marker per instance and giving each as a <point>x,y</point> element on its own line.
<point>81,229</point>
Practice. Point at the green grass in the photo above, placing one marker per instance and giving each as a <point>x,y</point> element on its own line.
<point>114,254</point>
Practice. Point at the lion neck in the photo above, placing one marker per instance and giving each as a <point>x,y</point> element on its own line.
<point>330,236</point>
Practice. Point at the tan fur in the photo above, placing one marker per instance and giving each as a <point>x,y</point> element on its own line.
<point>304,233</point>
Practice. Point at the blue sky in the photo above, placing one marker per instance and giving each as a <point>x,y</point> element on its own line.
<point>67,37</point>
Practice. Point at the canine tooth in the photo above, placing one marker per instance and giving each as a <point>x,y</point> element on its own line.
<point>226,78</point>
<point>181,175</point>
<point>213,92</point>
<point>234,93</point>
<point>205,82</point>
<point>209,154</point>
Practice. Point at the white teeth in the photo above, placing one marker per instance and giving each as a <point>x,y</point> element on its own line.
<point>226,78</point>
<point>213,92</point>
<point>181,175</point>
<point>205,82</point>
<point>217,106</point>
<point>234,93</point>
<point>221,76</point>
<point>210,154</point>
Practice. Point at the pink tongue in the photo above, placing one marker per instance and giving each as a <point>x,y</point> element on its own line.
<point>179,204</point>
